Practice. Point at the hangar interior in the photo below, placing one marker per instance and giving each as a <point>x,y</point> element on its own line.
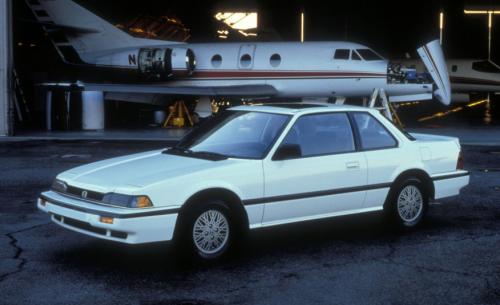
<point>34,56</point>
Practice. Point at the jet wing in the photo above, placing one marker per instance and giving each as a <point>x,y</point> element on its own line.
<point>433,58</point>
<point>242,90</point>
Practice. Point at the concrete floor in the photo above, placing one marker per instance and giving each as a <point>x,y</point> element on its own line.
<point>453,258</point>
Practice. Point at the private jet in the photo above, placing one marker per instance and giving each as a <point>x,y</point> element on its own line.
<point>309,70</point>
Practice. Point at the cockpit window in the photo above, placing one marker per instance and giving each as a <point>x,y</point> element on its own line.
<point>485,66</point>
<point>342,54</point>
<point>368,54</point>
<point>355,55</point>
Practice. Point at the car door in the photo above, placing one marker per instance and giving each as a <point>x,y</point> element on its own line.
<point>323,180</point>
<point>382,154</point>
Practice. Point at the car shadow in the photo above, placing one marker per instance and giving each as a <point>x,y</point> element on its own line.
<point>160,260</point>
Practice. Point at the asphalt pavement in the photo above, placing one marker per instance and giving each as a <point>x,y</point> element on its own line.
<point>453,258</point>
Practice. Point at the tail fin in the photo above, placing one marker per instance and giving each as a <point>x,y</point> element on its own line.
<point>84,32</point>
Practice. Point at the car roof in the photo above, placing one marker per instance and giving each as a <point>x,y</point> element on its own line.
<point>298,108</point>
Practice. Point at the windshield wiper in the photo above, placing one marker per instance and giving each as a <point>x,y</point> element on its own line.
<point>210,154</point>
<point>196,154</point>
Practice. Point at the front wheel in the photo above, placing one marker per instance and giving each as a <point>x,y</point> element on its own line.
<point>408,203</point>
<point>209,231</point>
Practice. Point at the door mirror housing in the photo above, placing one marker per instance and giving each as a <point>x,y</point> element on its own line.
<point>287,151</point>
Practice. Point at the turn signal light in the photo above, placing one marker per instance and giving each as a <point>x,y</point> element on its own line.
<point>108,220</point>
<point>142,202</point>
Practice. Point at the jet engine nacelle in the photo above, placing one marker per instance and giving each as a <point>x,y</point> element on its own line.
<point>162,63</point>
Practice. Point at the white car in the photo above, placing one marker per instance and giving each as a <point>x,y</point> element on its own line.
<point>258,166</point>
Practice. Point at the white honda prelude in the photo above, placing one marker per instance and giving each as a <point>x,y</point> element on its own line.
<point>258,166</point>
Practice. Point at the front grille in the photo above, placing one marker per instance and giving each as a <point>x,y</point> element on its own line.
<point>78,192</point>
<point>83,226</point>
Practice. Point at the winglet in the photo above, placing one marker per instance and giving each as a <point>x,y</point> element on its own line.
<point>433,58</point>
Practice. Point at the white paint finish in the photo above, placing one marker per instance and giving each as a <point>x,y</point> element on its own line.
<point>425,153</point>
<point>313,174</point>
<point>171,180</point>
<point>255,213</point>
<point>450,187</point>
<point>6,62</point>
<point>375,198</point>
<point>321,216</point>
<point>158,228</point>
<point>92,110</point>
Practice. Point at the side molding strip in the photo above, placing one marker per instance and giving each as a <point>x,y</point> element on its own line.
<point>451,176</point>
<point>316,194</point>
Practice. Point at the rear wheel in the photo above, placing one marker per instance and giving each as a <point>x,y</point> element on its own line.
<point>408,203</point>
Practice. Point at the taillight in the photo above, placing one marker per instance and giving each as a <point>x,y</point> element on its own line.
<point>460,161</point>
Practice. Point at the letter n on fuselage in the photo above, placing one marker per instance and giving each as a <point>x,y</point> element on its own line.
<point>132,60</point>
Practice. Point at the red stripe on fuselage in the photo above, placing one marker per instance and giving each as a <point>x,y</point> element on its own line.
<point>282,74</point>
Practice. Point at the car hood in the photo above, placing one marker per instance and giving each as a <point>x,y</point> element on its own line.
<point>134,171</point>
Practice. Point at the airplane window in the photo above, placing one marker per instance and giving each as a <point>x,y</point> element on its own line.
<point>355,55</point>
<point>485,66</point>
<point>342,54</point>
<point>216,60</point>
<point>245,60</point>
<point>368,54</point>
<point>275,60</point>
<point>454,68</point>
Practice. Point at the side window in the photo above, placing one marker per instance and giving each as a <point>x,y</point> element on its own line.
<point>320,134</point>
<point>372,133</point>
<point>342,54</point>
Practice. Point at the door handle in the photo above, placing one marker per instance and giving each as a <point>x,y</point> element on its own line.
<point>352,165</point>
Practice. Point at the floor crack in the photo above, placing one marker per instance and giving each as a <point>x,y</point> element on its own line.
<point>18,250</point>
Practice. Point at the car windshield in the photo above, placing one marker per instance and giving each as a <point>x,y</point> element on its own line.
<point>236,134</point>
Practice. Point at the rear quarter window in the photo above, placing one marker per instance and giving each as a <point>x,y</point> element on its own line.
<point>372,133</point>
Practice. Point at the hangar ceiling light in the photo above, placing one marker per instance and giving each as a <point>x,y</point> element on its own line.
<point>490,13</point>
<point>238,20</point>
<point>241,22</point>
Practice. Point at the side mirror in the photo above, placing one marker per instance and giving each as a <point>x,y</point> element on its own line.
<point>287,151</point>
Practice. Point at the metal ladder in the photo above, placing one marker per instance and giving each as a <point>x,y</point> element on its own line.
<point>386,107</point>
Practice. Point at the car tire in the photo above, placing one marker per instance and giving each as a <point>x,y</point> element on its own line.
<point>407,203</point>
<point>209,230</point>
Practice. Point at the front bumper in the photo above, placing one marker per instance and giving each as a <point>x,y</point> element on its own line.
<point>131,226</point>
